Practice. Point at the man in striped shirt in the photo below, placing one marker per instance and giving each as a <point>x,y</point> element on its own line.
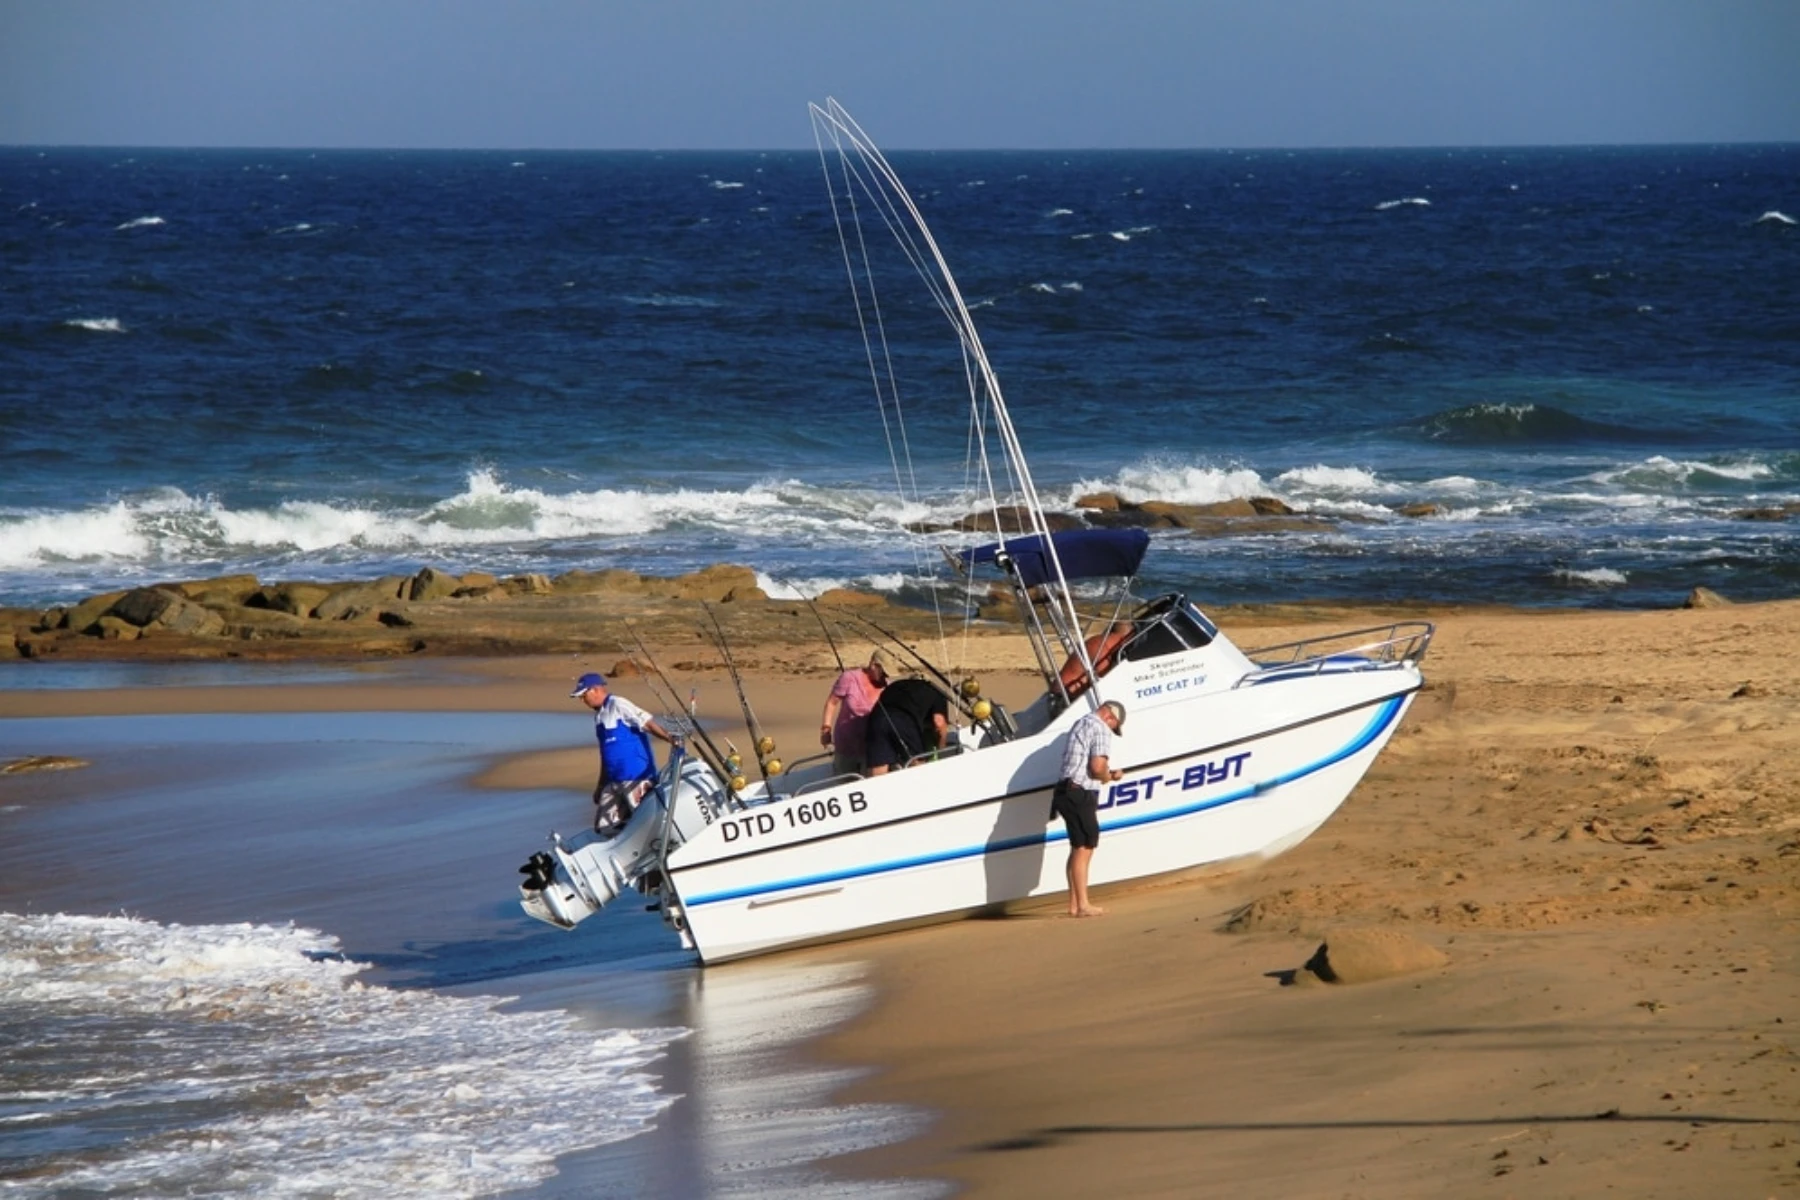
<point>1086,763</point>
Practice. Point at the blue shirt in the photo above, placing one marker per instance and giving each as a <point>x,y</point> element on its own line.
<point>624,745</point>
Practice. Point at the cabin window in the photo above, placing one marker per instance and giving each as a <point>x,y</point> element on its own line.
<point>1195,630</point>
<point>1153,641</point>
<point>1174,631</point>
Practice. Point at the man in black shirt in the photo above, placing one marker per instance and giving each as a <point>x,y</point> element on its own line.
<point>911,717</point>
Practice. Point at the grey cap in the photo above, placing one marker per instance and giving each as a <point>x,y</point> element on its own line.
<point>1118,711</point>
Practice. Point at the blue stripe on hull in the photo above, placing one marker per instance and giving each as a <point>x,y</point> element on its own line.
<point>1378,723</point>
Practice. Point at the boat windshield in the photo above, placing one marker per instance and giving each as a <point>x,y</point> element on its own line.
<point>1166,625</point>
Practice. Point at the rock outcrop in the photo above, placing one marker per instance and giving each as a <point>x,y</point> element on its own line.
<point>431,609</point>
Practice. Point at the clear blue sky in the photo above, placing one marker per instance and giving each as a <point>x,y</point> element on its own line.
<point>942,74</point>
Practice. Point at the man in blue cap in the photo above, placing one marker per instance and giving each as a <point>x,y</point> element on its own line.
<point>627,764</point>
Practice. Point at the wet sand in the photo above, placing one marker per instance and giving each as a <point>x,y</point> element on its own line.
<point>1591,817</point>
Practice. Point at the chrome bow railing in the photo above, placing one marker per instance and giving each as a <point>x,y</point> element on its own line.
<point>1378,645</point>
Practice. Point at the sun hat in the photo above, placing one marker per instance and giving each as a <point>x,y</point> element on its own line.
<point>879,658</point>
<point>592,679</point>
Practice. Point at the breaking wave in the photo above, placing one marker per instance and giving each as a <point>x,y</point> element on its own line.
<point>146,1058</point>
<point>1494,424</point>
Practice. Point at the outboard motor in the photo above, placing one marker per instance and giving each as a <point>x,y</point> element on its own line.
<point>575,879</point>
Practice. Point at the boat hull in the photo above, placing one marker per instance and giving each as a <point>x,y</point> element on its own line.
<point>884,853</point>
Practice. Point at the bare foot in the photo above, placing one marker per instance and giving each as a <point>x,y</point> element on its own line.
<point>1092,910</point>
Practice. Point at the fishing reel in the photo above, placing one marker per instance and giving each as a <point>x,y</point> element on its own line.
<point>765,756</point>
<point>979,708</point>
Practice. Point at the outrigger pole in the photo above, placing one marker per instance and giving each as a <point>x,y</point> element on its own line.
<point>881,185</point>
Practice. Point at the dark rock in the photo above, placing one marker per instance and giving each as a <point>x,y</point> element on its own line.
<point>1422,509</point>
<point>432,584</point>
<point>1010,519</point>
<point>145,606</point>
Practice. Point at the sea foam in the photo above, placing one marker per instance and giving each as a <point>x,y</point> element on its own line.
<point>1178,483</point>
<point>334,1087</point>
<point>1335,481</point>
<point>1597,577</point>
<point>170,531</point>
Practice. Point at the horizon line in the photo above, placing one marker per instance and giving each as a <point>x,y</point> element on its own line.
<point>901,149</point>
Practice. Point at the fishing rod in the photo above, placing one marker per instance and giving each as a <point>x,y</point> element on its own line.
<point>823,626</point>
<point>764,745</point>
<point>966,694</point>
<point>711,755</point>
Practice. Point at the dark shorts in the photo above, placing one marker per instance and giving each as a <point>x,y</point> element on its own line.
<point>891,746</point>
<point>1080,810</point>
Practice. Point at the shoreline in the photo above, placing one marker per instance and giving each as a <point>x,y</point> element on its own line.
<point>1590,814</point>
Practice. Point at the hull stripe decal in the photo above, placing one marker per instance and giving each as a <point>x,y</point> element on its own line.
<point>1378,723</point>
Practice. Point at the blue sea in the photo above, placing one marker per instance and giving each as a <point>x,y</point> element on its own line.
<point>340,364</point>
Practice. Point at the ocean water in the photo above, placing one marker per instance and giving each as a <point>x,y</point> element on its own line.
<point>337,365</point>
<point>281,955</point>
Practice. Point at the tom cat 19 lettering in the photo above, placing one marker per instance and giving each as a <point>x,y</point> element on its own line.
<point>1130,791</point>
<point>804,812</point>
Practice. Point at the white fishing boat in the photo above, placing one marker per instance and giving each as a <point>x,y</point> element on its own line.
<point>1229,757</point>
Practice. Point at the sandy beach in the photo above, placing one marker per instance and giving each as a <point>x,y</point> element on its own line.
<point>1561,908</point>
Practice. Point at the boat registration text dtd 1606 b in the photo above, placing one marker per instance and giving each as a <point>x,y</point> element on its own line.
<point>794,815</point>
